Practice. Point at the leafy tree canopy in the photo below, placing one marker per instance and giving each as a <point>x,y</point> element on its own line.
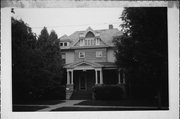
<point>36,63</point>
<point>143,51</point>
<point>144,42</point>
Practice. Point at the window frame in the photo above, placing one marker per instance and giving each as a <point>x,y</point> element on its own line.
<point>97,54</point>
<point>61,44</point>
<point>66,44</point>
<point>98,41</point>
<point>82,53</point>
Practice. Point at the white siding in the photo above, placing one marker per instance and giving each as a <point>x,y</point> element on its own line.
<point>69,57</point>
<point>110,55</point>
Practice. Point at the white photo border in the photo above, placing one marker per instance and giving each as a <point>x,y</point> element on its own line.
<point>173,54</point>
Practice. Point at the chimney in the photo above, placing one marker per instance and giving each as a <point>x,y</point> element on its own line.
<point>110,26</point>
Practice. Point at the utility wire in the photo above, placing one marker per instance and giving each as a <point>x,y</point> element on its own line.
<point>73,25</point>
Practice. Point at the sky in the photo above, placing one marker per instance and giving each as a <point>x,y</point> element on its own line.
<point>69,20</point>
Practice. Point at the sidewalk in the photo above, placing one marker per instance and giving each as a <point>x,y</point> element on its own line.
<point>67,103</point>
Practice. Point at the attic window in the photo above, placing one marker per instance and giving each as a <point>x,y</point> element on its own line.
<point>97,41</point>
<point>65,44</point>
<point>89,41</point>
<point>89,34</point>
<point>61,44</point>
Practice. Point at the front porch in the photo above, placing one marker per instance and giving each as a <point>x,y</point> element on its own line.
<point>82,76</point>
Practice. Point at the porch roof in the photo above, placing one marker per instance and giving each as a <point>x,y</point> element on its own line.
<point>90,64</point>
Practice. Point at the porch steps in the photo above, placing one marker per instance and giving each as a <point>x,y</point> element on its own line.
<point>81,95</point>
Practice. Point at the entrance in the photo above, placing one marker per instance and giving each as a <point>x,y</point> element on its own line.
<point>82,81</point>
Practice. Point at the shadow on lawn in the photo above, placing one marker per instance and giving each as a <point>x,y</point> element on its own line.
<point>118,103</point>
<point>40,102</point>
<point>34,105</point>
<point>27,108</point>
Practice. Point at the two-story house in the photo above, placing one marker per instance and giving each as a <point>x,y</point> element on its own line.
<point>89,60</point>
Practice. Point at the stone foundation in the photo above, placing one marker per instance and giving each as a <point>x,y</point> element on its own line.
<point>69,91</point>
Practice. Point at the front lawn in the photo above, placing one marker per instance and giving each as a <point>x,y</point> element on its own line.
<point>118,103</point>
<point>27,108</point>
<point>34,105</point>
<point>101,109</point>
<point>40,102</point>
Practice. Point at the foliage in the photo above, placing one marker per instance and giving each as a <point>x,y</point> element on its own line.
<point>107,92</point>
<point>36,64</point>
<point>142,49</point>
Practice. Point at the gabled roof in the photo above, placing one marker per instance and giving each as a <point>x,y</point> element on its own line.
<point>106,35</point>
<point>82,63</point>
<point>64,38</point>
<point>90,64</point>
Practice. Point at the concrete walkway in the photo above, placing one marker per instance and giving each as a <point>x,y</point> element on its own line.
<point>67,103</point>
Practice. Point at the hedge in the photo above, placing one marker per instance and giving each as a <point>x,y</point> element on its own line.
<point>107,92</point>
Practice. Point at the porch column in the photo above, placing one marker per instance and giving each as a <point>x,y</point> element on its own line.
<point>96,77</point>
<point>68,78</point>
<point>101,76</point>
<point>124,79</point>
<point>119,76</point>
<point>71,76</point>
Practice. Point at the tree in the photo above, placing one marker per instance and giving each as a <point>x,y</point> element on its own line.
<point>142,50</point>
<point>36,63</point>
<point>49,46</point>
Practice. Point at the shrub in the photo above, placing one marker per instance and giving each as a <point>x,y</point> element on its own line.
<point>107,92</point>
<point>55,93</point>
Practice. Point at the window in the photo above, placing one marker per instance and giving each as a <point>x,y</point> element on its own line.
<point>98,53</point>
<point>89,41</point>
<point>63,55</point>
<point>81,54</point>
<point>65,44</point>
<point>81,42</point>
<point>97,41</point>
<point>85,42</point>
<point>61,44</point>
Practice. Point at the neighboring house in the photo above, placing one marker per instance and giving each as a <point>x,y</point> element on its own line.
<point>89,59</point>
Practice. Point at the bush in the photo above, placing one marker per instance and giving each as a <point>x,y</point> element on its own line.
<point>107,92</point>
<point>55,93</point>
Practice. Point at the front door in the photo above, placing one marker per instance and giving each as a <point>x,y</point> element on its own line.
<point>82,82</point>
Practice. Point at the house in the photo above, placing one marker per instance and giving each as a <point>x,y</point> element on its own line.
<point>89,60</point>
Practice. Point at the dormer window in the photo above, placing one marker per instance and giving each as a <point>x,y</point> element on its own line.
<point>64,44</point>
<point>61,44</point>
<point>81,42</point>
<point>89,34</point>
<point>97,41</point>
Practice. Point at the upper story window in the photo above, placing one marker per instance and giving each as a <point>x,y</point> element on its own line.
<point>61,44</point>
<point>63,56</point>
<point>89,40</point>
<point>81,54</point>
<point>98,53</point>
<point>81,42</point>
<point>90,34</point>
<point>97,41</point>
<point>64,44</point>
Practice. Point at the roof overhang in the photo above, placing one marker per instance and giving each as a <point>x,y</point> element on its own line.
<point>87,65</point>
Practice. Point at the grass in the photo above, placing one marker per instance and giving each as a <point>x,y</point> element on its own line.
<point>27,108</point>
<point>101,109</point>
<point>118,103</point>
<point>34,105</point>
<point>40,102</point>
